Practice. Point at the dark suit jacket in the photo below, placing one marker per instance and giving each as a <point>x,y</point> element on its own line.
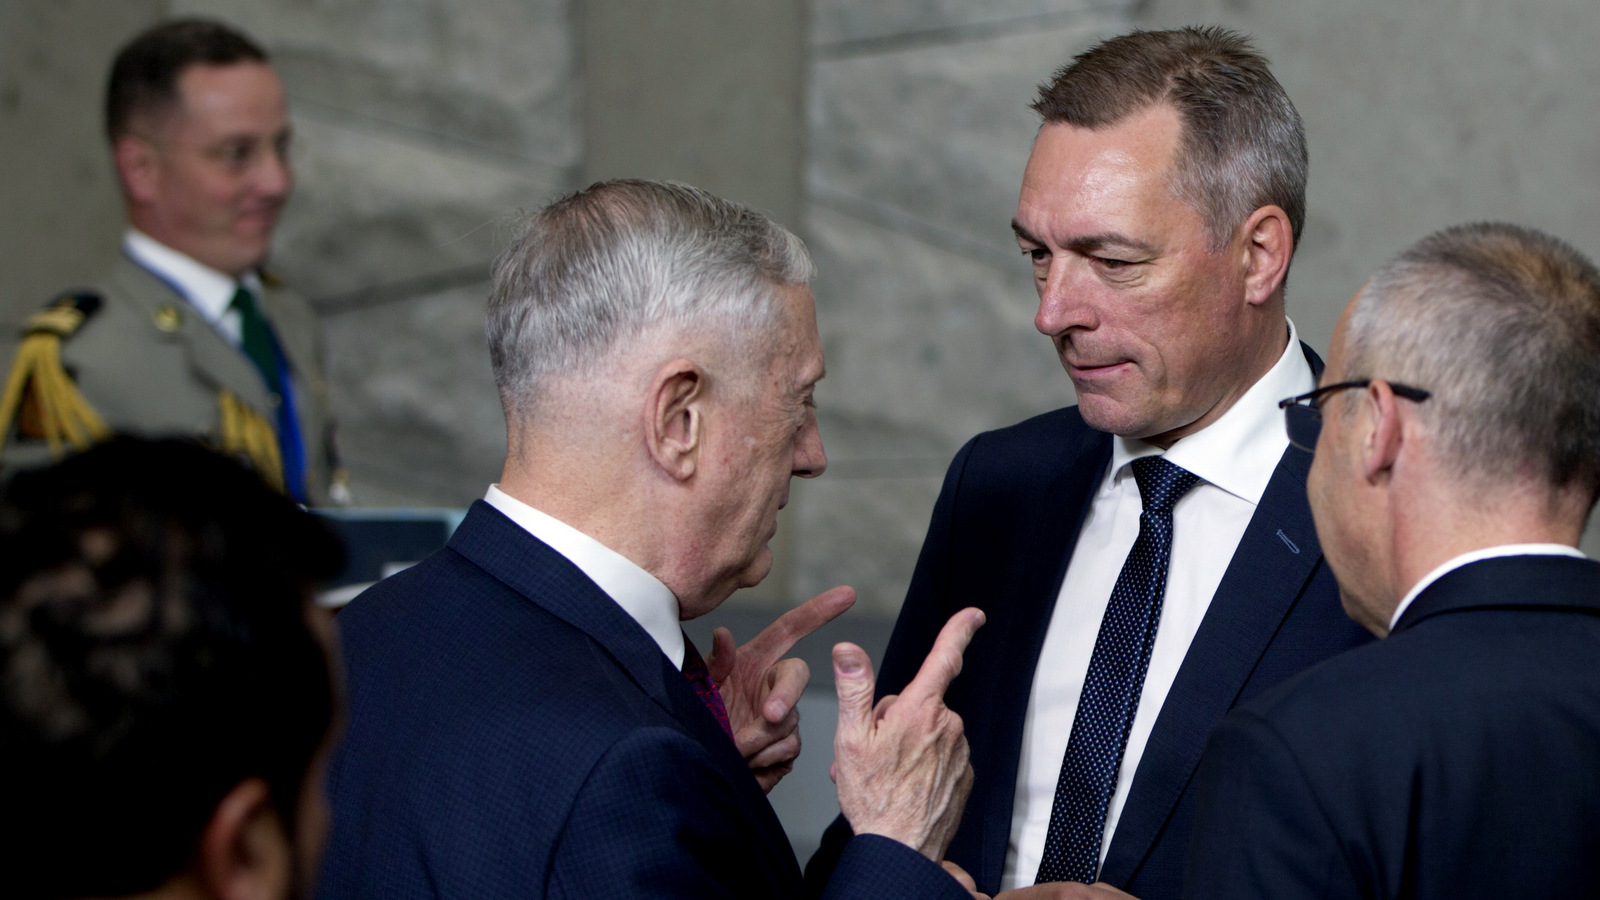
<point>514,733</point>
<point>1003,531</point>
<point>1457,758</point>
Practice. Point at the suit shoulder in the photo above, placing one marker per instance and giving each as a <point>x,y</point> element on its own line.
<point>1021,455</point>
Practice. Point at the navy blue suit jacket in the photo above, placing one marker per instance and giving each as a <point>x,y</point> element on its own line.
<point>514,733</point>
<point>1457,758</point>
<point>1003,531</point>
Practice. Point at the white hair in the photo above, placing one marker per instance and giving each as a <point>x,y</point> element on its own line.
<point>620,259</point>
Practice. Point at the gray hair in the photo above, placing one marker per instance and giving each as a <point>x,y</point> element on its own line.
<point>1502,324</point>
<point>1243,145</point>
<point>620,258</point>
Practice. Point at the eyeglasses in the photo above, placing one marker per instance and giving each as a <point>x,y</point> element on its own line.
<point>1302,415</point>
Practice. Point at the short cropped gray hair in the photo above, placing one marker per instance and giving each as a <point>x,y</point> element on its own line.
<point>1243,144</point>
<point>620,258</point>
<point>1502,324</point>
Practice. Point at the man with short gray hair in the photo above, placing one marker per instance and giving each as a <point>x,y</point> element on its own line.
<point>528,718</point>
<point>1458,459</point>
<point>1146,558</point>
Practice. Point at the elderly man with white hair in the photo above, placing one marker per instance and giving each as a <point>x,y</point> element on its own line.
<point>528,718</point>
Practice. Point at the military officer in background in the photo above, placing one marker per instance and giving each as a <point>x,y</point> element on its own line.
<point>186,334</point>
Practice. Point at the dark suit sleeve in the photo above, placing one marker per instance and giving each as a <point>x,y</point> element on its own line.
<point>1260,831</point>
<point>690,838</point>
<point>873,866</point>
<point>921,616</point>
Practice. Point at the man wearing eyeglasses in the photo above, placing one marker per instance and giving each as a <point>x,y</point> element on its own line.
<point>187,334</point>
<point>1146,558</point>
<point>1458,460</point>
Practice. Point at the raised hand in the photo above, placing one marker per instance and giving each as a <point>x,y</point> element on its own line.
<point>901,766</point>
<point>760,688</point>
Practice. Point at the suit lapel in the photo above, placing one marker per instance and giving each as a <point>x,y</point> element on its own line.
<point>1064,504</point>
<point>212,358</point>
<point>1276,557</point>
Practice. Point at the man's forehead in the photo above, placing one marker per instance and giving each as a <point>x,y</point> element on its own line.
<point>1101,183</point>
<point>234,94</point>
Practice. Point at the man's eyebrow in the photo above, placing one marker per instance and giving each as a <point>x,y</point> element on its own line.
<point>1091,243</point>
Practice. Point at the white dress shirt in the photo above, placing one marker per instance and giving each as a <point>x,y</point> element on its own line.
<point>1235,457</point>
<point>1451,565</point>
<point>640,594</point>
<point>210,292</point>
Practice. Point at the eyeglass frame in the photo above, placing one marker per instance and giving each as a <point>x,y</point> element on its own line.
<point>1312,408</point>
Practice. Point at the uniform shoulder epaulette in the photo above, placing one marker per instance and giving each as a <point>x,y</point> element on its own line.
<point>64,315</point>
<point>39,395</point>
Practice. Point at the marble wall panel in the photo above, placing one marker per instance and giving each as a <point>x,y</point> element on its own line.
<point>373,209</point>
<point>419,418</point>
<point>848,25</point>
<point>919,134</point>
<point>934,139</point>
<point>494,74</point>
<point>1424,116</point>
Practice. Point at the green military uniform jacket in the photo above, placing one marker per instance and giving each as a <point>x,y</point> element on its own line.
<point>149,363</point>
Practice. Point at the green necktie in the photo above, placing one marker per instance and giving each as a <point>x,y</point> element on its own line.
<point>256,339</point>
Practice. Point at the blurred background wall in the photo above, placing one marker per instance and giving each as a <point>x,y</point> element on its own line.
<point>890,133</point>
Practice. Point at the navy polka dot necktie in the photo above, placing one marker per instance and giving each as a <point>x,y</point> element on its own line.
<point>1111,688</point>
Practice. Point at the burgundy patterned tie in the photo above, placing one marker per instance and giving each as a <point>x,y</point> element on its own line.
<point>694,669</point>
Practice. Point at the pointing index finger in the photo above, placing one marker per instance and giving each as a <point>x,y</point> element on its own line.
<point>944,660</point>
<point>778,638</point>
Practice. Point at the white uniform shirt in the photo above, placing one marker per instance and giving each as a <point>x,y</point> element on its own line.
<point>210,292</point>
<point>1235,457</point>
<point>640,594</point>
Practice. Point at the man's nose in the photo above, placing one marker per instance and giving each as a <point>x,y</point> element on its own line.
<point>810,459</point>
<point>1063,304</point>
<point>274,175</point>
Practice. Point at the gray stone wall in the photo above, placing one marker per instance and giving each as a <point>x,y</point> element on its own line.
<point>892,135</point>
<point>919,132</point>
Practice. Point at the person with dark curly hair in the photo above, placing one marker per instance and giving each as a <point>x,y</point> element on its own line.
<point>166,693</point>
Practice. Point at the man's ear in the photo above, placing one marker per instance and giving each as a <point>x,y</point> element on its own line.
<point>135,159</point>
<point>1268,247</point>
<point>244,849</point>
<point>1385,436</point>
<point>674,421</point>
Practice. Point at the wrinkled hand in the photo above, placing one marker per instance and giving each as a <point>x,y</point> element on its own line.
<point>760,688</point>
<point>960,875</point>
<point>1066,890</point>
<point>901,766</point>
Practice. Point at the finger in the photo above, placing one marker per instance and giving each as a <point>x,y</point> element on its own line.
<point>789,678</point>
<point>853,681</point>
<point>769,777</point>
<point>944,660</point>
<point>720,663</point>
<point>780,752</point>
<point>776,639</point>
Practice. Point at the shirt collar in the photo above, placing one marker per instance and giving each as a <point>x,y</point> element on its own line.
<point>640,594</point>
<point>1240,450</point>
<point>1451,565</point>
<point>207,290</point>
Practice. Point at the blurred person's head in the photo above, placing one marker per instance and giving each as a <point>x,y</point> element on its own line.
<point>656,350</point>
<point>1160,208</point>
<point>166,693</point>
<point>199,130</point>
